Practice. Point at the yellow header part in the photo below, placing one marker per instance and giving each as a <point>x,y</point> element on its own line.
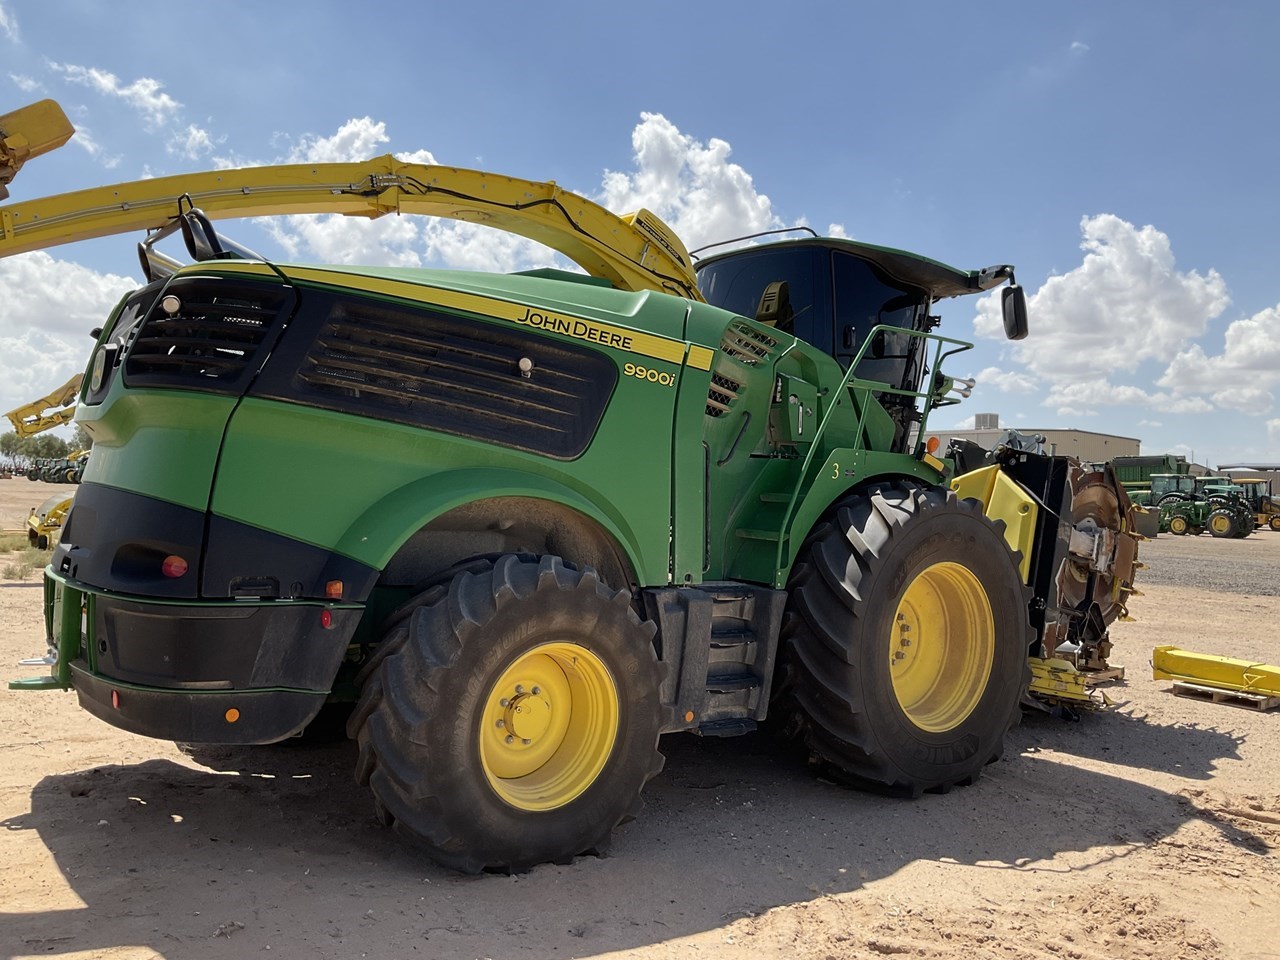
<point>1003,499</point>
<point>633,252</point>
<point>27,133</point>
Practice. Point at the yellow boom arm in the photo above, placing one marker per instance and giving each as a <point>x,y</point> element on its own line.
<point>48,412</point>
<point>633,252</point>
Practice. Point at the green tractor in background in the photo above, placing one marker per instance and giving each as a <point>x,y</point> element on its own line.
<point>1192,505</point>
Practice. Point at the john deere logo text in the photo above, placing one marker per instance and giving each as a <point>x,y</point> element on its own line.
<point>579,329</point>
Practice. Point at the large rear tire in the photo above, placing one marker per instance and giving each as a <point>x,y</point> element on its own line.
<point>905,640</point>
<point>512,718</point>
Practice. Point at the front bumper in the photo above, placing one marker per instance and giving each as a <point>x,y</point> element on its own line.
<point>233,672</point>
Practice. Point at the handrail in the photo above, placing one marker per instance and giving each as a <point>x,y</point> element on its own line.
<point>932,400</point>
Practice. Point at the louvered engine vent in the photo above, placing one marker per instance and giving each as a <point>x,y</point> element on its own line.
<point>746,344</point>
<point>721,395</point>
<point>206,333</point>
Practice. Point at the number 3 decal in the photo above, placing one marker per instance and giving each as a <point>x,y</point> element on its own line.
<point>835,471</point>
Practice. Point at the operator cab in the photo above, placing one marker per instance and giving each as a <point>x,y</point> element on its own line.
<point>831,293</point>
<point>831,298</point>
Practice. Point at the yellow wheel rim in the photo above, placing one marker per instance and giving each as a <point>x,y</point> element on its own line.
<point>548,726</point>
<point>1219,524</point>
<point>941,647</point>
<point>1178,525</point>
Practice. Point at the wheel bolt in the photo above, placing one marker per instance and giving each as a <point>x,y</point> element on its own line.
<point>504,703</point>
<point>510,739</point>
<point>899,655</point>
<point>526,742</point>
<point>536,691</point>
<point>519,688</point>
<point>906,642</point>
<point>501,724</point>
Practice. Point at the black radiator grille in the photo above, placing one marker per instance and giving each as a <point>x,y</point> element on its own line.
<point>463,377</point>
<point>207,333</point>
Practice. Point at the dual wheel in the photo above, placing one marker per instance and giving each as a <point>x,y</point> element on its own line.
<point>511,713</point>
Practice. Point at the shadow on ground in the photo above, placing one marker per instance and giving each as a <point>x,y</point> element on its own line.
<point>276,847</point>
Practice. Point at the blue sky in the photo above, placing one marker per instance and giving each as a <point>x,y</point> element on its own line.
<point>1123,156</point>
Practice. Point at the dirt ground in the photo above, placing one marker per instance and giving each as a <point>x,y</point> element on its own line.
<point>1149,830</point>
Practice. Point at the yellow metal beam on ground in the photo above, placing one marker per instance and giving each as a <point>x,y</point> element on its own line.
<point>1224,673</point>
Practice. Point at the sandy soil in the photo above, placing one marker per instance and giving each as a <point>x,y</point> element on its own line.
<point>1150,830</point>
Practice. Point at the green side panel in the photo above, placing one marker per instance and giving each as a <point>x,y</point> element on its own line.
<point>362,487</point>
<point>160,443</point>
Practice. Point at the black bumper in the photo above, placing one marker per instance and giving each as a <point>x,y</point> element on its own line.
<point>227,717</point>
<point>234,672</point>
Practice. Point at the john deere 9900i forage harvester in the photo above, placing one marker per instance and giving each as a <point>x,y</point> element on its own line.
<point>529,523</point>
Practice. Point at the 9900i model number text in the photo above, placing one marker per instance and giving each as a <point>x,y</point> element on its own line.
<point>649,374</point>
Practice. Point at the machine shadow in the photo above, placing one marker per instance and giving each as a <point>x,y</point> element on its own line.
<point>277,846</point>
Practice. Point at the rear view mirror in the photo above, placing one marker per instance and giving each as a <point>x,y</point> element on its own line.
<point>1013,303</point>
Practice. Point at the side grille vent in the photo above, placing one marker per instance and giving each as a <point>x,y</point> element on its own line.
<point>215,340</point>
<point>746,344</point>
<point>457,376</point>
<point>721,395</point>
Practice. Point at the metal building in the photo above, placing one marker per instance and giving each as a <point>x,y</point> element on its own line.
<point>1081,444</point>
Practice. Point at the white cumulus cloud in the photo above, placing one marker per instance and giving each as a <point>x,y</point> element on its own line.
<point>22,81</point>
<point>691,185</point>
<point>1250,355</point>
<point>1006,381</point>
<point>9,25</point>
<point>192,143</point>
<point>1127,302</point>
<point>50,307</point>
<point>145,94</point>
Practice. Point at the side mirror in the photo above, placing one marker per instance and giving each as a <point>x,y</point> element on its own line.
<point>1013,303</point>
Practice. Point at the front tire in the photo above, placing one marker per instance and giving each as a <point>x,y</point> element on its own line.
<point>1222,523</point>
<point>1179,526</point>
<point>906,640</point>
<point>513,717</point>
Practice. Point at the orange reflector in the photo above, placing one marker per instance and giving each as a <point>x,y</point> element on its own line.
<point>932,444</point>
<point>688,716</point>
<point>173,567</point>
<point>333,589</point>
<point>232,715</point>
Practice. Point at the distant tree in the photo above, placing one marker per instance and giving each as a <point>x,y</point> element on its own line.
<point>43,446</point>
<point>81,440</point>
<point>9,444</point>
